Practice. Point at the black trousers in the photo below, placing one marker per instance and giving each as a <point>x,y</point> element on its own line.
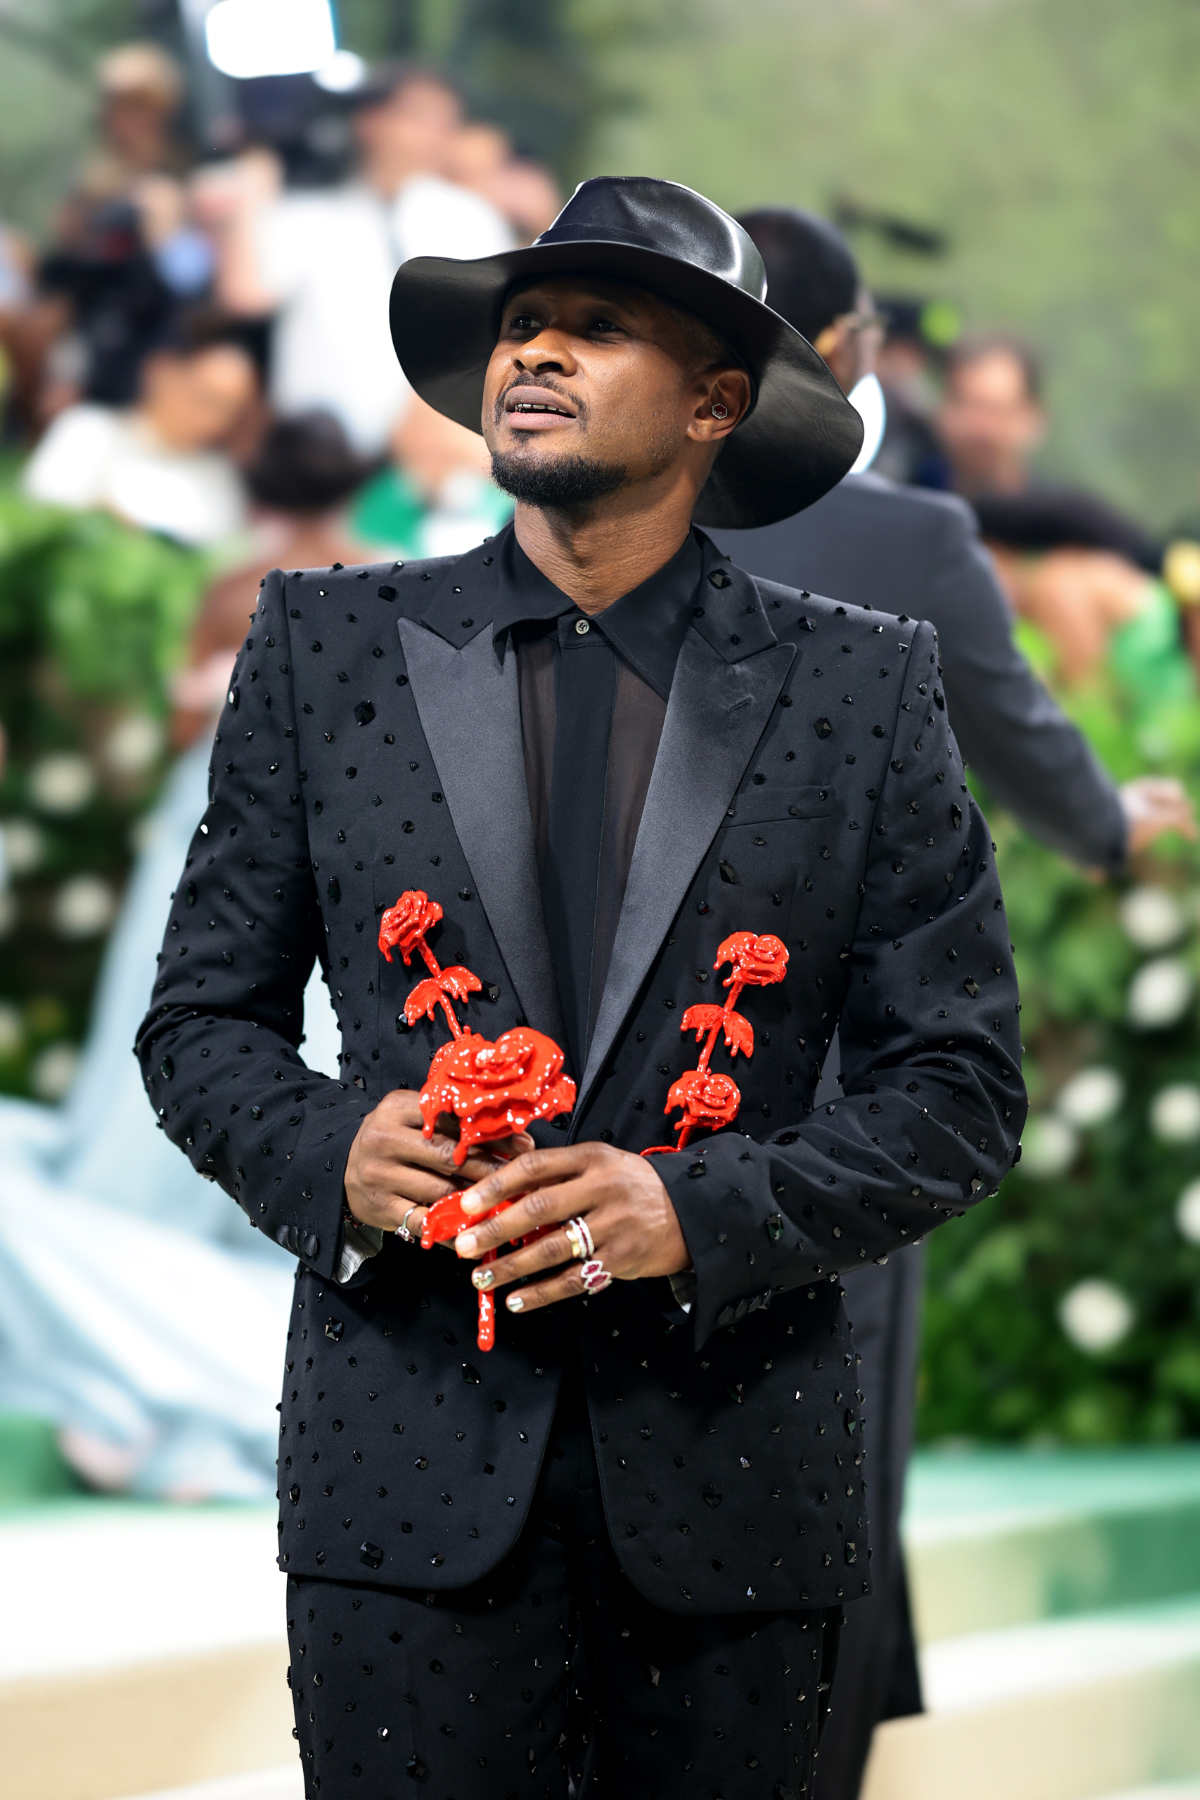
<point>552,1677</point>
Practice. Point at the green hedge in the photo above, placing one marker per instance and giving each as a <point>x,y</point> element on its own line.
<point>1066,1309</point>
<point>93,616</point>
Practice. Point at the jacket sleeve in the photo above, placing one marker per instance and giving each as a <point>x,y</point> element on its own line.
<point>933,1101</point>
<point>218,1047</point>
<point>1035,762</point>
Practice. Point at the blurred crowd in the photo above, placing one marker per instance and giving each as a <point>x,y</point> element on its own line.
<point>200,350</point>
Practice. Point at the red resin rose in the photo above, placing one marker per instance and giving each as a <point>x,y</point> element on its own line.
<point>707,1100</point>
<point>756,961</point>
<point>404,925</point>
<point>495,1089</point>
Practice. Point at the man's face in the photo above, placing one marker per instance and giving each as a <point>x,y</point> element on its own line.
<point>592,386</point>
<point>414,128</point>
<point>988,421</point>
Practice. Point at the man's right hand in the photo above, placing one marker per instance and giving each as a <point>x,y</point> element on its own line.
<point>394,1169</point>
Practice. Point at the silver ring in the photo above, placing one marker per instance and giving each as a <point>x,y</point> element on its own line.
<point>595,1276</point>
<point>579,1236</point>
<point>402,1232</point>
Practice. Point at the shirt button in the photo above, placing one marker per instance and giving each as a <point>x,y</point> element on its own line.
<point>582,627</point>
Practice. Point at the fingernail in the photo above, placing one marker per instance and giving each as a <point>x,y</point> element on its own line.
<point>470,1201</point>
<point>483,1278</point>
<point>514,1303</point>
<point>465,1243</point>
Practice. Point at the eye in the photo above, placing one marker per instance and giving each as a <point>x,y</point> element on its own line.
<point>521,324</point>
<point>604,325</point>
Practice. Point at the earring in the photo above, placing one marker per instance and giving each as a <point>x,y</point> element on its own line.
<point>719,410</point>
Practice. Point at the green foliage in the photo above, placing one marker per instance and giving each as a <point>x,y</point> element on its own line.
<point>998,1362</point>
<point>1055,141</point>
<point>93,617</point>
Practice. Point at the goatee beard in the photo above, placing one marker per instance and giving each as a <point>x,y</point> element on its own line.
<point>566,482</point>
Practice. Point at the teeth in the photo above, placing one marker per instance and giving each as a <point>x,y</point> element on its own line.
<point>537,406</point>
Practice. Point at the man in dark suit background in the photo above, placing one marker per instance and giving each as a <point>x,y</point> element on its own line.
<point>620,1542</point>
<point>873,542</point>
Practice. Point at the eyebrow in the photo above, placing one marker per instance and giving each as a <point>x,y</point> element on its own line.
<point>589,296</point>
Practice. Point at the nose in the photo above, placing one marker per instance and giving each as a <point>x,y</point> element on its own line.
<point>548,350</point>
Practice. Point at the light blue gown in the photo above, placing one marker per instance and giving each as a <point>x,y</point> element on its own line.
<point>137,1302</point>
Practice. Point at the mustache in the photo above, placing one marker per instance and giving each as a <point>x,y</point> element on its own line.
<point>526,381</point>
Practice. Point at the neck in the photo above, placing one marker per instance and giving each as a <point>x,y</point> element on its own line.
<point>597,556</point>
<point>1001,478</point>
<point>387,175</point>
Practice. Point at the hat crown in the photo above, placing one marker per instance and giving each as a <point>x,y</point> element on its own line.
<point>663,216</point>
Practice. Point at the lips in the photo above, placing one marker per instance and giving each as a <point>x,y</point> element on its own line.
<point>536,408</point>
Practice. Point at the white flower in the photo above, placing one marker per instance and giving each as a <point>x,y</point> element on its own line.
<point>1175,1113</point>
<point>1159,993</point>
<point>1095,1315</point>
<point>61,783</point>
<point>1048,1146</point>
<point>24,845</point>
<point>1090,1097</point>
<point>83,906</point>
<point>10,1030</point>
<point>1152,917</point>
<point>1187,1212</point>
<point>133,744</point>
<point>53,1071</point>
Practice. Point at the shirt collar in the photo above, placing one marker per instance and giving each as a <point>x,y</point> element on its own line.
<point>646,626</point>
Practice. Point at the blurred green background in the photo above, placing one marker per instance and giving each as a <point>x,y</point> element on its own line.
<point>1056,142</point>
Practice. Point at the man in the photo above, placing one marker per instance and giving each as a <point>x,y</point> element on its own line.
<point>323,259</point>
<point>872,542</point>
<point>605,749</point>
<point>991,420</point>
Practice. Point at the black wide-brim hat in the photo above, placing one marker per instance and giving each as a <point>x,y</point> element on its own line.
<point>801,435</point>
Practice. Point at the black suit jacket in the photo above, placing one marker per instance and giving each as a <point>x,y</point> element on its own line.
<point>806,783</point>
<point>876,543</point>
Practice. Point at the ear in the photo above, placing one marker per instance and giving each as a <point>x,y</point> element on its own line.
<point>727,389</point>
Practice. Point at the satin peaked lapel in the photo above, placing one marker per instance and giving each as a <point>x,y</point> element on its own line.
<point>715,716</point>
<point>482,772</point>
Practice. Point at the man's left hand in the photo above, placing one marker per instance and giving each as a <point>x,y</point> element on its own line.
<point>628,1212</point>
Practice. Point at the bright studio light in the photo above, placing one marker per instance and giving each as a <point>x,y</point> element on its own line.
<point>344,72</point>
<point>247,38</point>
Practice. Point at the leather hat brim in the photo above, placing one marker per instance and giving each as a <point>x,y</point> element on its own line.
<point>800,439</point>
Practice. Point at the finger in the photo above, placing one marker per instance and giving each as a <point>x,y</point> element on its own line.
<point>545,1206</point>
<point>409,1148</point>
<point>532,1169</point>
<point>567,1286</point>
<point>548,1252</point>
<point>408,1214</point>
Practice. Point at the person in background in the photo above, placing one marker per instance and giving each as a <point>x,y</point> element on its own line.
<point>123,254</point>
<point>164,463</point>
<point>905,367</point>
<point>991,421</point>
<point>300,483</point>
<point>523,190</point>
<point>322,260</point>
<point>871,542</point>
<point>1075,566</point>
<point>436,496</point>
<point>140,1317</point>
